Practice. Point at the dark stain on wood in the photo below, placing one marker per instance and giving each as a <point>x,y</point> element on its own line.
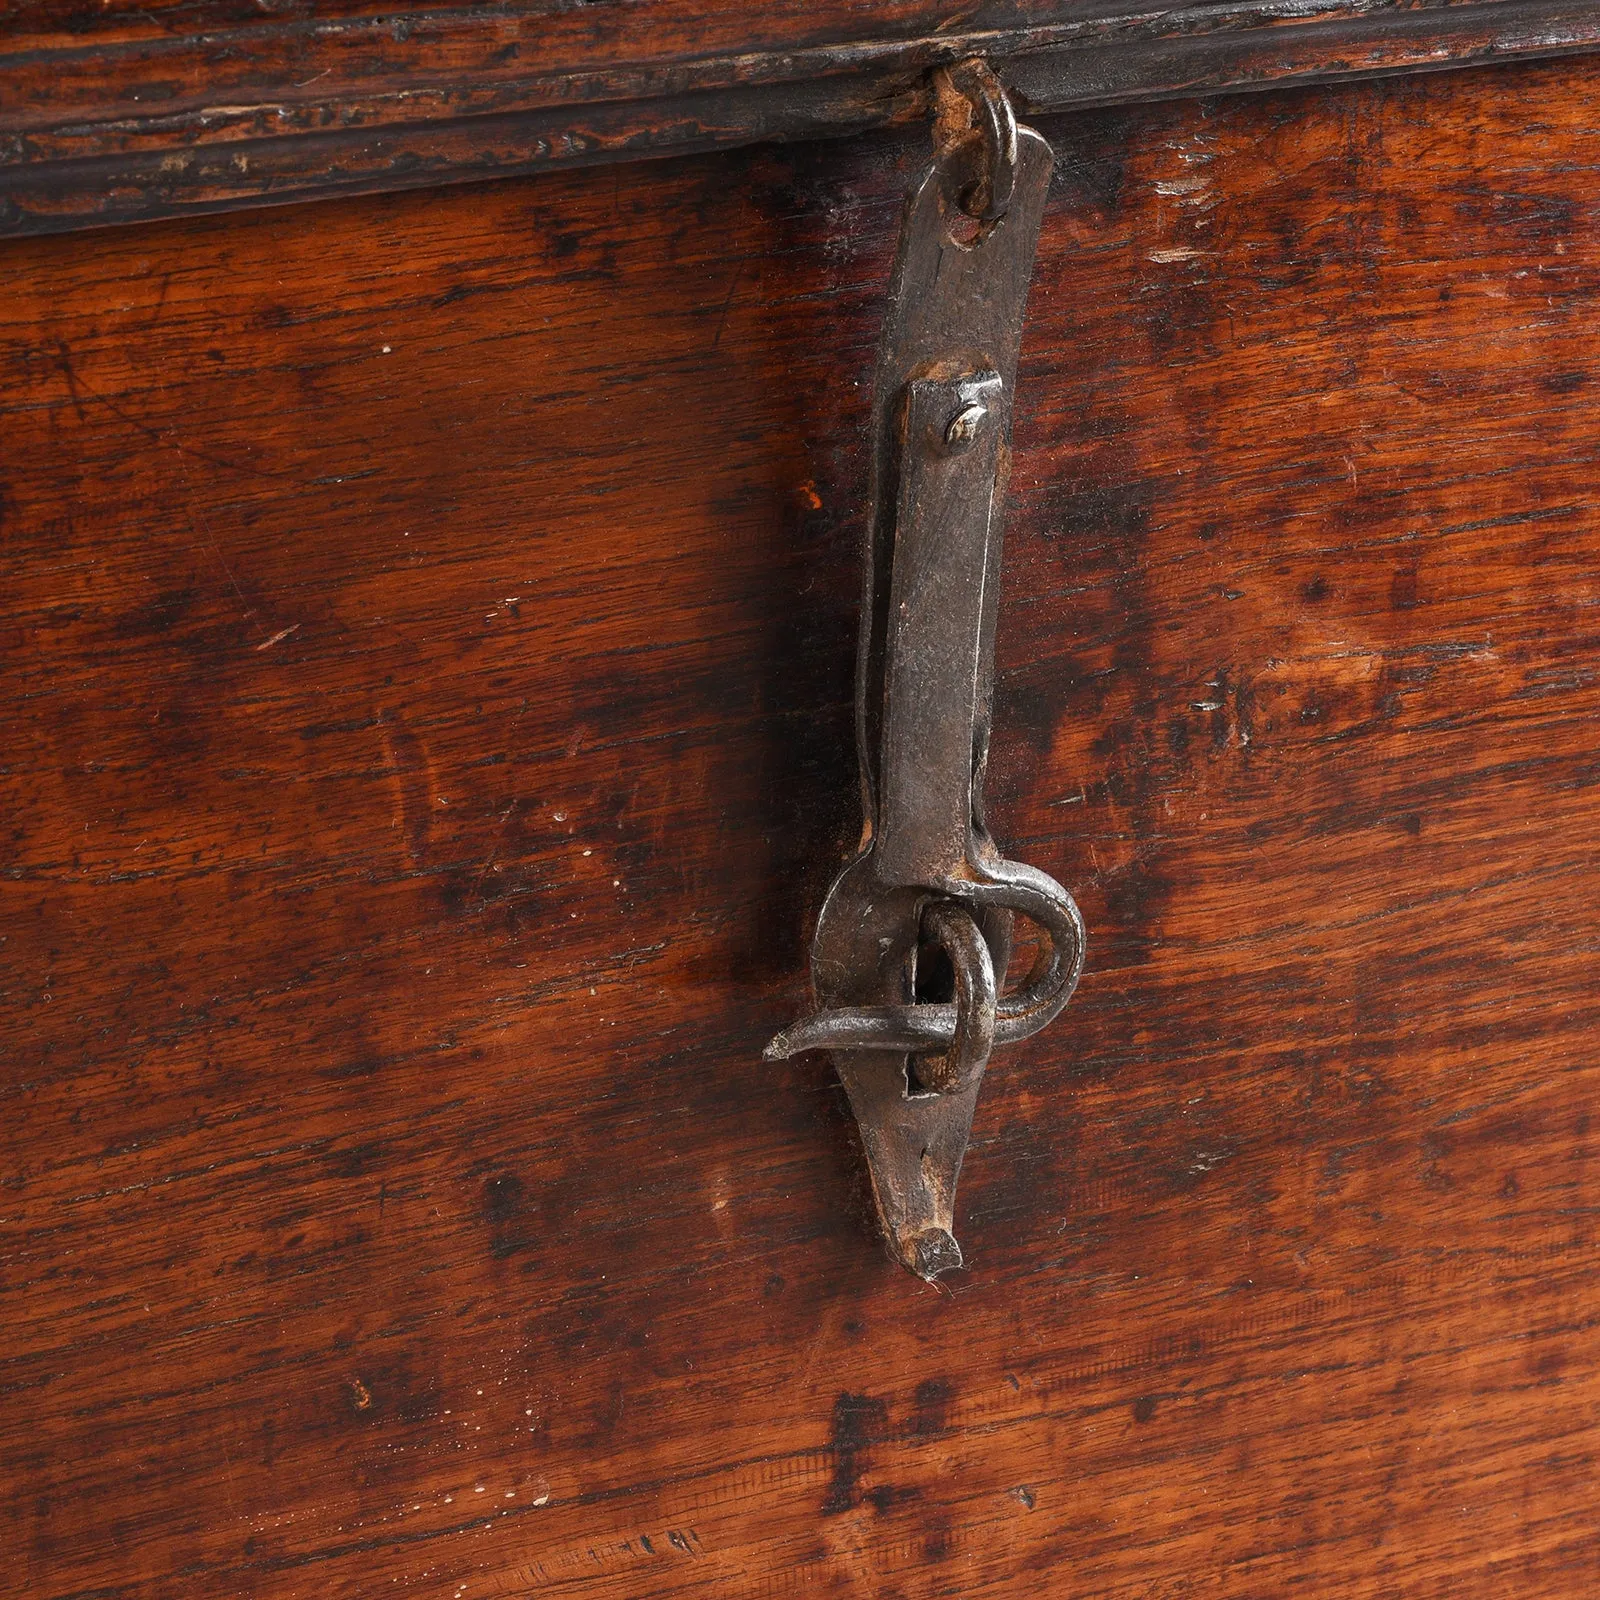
<point>859,1421</point>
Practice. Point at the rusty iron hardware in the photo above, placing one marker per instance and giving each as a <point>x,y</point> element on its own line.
<point>913,941</point>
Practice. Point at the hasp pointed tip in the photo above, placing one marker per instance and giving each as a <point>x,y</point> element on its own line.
<point>930,1252</point>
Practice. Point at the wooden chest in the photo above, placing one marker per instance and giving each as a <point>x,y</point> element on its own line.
<point>431,537</point>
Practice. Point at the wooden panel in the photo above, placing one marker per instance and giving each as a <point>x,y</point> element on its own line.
<point>426,735</point>
<point>123,112</point>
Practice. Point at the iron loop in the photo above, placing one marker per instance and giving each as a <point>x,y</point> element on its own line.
<point>931,1028</point>
<point>990,196</point>
<point>958,935</point>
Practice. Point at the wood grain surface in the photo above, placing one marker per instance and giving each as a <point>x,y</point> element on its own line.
<point>424,736</point>
<point>126,110</point>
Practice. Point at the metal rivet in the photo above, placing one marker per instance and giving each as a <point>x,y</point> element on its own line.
<point>963,427</point>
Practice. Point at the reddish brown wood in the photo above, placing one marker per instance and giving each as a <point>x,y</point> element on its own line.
<point>426,681</point>
<point>122,112</point>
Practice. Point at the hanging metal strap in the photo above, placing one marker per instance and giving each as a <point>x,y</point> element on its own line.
<point>914,939</point>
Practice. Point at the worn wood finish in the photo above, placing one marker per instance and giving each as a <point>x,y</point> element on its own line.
<point>426,733</point>
<point>124,112</point>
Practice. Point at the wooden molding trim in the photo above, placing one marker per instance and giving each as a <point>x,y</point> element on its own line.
<point>139,125</point>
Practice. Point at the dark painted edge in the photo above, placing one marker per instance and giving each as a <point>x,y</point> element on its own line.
<point>189,162</point>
